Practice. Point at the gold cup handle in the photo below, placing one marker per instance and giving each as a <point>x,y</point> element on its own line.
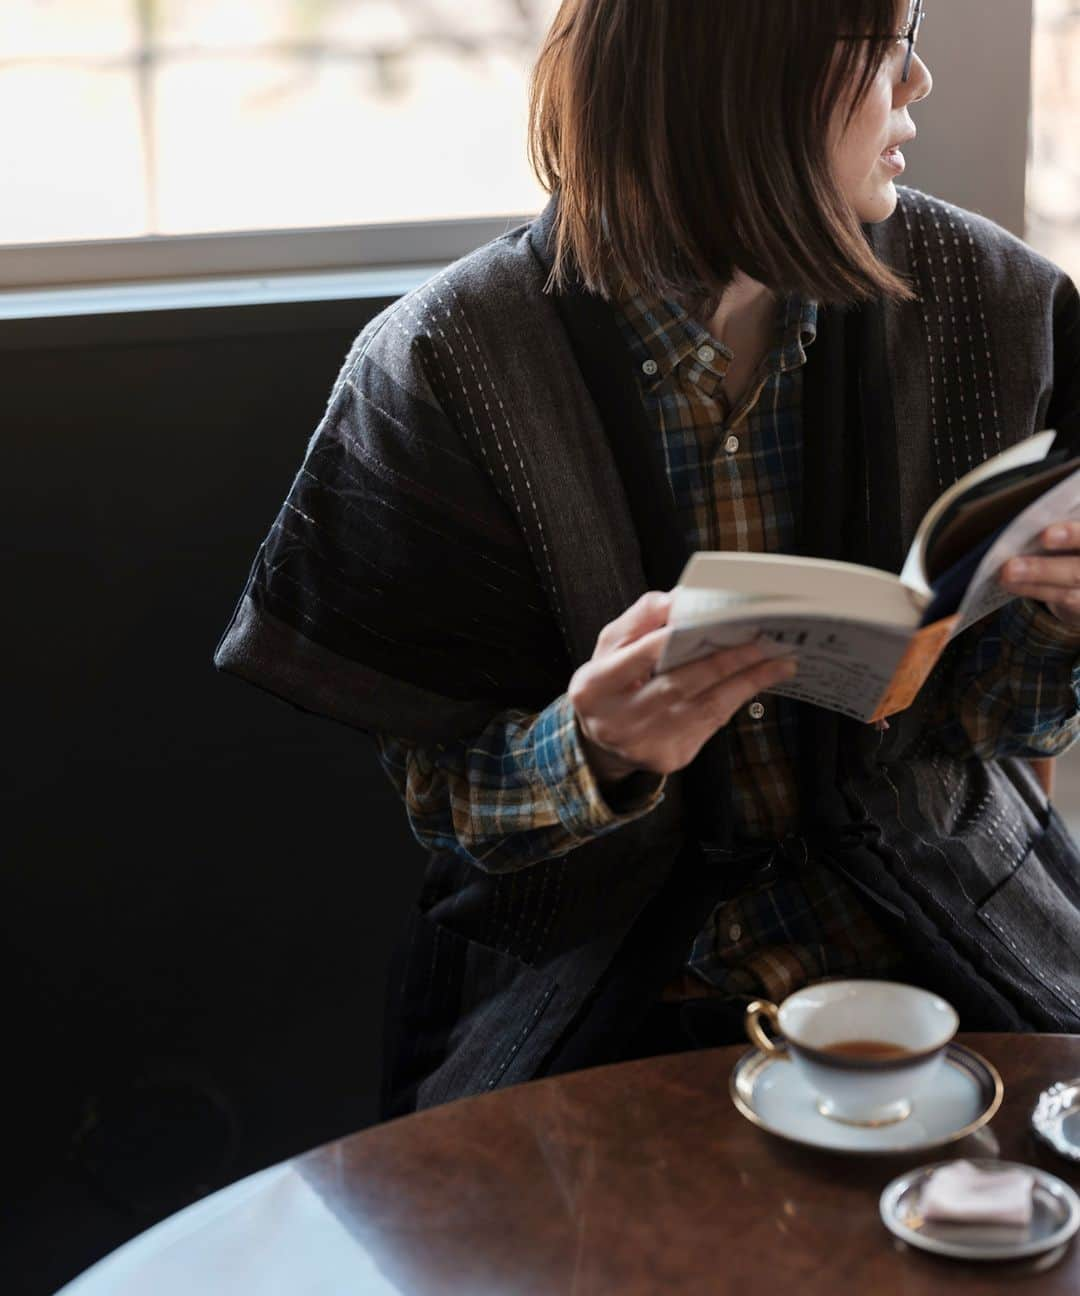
<point>754,1013</point>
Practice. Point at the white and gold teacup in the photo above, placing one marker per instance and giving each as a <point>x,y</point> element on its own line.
<point>867,1049</point>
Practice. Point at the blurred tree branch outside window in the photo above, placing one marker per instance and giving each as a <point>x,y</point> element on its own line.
<point>1053,191</point>
<point>181,116</point>
<point>140,117</point>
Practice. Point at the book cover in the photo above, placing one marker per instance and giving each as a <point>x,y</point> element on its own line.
<point>866,640</point>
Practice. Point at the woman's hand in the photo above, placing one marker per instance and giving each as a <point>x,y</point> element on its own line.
<point>631,720</point>
<point>1053,579</point>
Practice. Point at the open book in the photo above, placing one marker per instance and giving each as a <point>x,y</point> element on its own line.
<point>866,640</point>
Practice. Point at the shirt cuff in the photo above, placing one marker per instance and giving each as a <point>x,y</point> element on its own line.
<point>562,768</point>
<point>1034,628</point>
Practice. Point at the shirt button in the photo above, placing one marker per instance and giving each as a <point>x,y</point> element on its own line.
<point>706,354</point>
<point>650,367</point>
<point>757,711</point>
<point>731,444</point>
<point>735,933</point>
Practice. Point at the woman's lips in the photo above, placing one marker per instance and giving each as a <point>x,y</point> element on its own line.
<point>894,159</point>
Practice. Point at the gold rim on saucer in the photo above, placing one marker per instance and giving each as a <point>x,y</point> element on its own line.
<point>753,1062</point>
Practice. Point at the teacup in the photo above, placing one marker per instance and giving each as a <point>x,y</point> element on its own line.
<point>867,1049</point>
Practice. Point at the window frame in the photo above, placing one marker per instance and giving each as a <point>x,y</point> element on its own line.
<point>975,153</point>
<point>29,266</point>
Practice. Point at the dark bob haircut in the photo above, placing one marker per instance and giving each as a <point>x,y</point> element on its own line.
<point>690,138</point>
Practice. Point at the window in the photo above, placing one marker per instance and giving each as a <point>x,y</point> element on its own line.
<point>1053,193</point>
<point>197,119</point>
<point>178,117</point>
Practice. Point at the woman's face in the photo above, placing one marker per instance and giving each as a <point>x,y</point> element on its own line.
<point>864,166</point>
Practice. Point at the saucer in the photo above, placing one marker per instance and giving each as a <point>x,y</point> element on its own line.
<point>770,1093</point>
<point>1055,1218</point>
<point>1056,1118</point>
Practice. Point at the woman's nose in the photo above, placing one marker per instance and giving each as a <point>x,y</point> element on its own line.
<point>919,82</point>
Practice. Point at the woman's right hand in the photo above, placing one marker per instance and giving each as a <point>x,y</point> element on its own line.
<point>631,720</point>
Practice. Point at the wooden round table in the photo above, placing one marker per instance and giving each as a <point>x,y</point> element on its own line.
<point>637,1178</point>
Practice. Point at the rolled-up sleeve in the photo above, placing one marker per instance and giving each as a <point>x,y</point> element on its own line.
<point>518,793</point>
<point>1013,686</point>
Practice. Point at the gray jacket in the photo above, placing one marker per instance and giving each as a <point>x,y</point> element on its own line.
<point>464,524</point>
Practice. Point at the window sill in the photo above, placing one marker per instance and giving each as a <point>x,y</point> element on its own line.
<point>204,294</point>
<point>179,288</point>
<point>184,310</point>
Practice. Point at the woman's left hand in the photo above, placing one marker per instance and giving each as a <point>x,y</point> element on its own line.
<point>1052,578</point>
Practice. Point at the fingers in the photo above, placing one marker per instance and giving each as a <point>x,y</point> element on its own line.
<point>657,709</point>
<point>721,702</point>
<point>619,670</point>
<point>632,665</point>
<point>1062,535</point>
<point>689,682</point>
<point>648,613</point>
<point>661,728</point>
<point>668,736</point>
<point>1021,574</point>
<point>659,722</point>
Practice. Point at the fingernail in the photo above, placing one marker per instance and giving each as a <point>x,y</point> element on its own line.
<point>1057,535</point>
<point>1017,568</point>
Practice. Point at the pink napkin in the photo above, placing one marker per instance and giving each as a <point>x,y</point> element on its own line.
<point>964,1193</point>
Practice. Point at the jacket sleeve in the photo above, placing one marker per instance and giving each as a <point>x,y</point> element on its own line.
<point>1012,683</point>
<point>518,793</point>
<point>394,591</point>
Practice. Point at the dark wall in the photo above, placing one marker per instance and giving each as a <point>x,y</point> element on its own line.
<point>201,884</point>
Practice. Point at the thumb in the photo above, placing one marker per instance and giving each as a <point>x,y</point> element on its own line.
<point>650,612</point>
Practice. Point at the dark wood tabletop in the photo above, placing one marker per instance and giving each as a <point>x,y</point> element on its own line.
<point>637,1178</point>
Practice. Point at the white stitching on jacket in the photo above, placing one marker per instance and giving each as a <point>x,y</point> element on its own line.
<point>929,353</point>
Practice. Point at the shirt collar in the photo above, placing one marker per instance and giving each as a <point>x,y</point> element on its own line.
<point>663,336</point>
<point>798,330</point>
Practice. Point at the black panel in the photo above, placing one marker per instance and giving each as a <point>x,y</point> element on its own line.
<point>200,884</point>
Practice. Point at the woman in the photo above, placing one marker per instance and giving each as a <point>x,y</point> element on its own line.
<point>728,329</point>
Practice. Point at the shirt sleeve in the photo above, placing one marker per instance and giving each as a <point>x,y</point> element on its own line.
<point>1013,687</point>
<point>518,793</point>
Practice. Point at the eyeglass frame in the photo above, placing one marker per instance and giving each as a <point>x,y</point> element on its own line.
<point>910,34</point>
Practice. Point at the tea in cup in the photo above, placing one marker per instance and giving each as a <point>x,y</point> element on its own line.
<point>867,1049</point>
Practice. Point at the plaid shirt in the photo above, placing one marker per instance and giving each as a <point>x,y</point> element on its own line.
<point>522,790</point>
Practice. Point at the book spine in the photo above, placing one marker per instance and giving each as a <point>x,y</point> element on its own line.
<point>921,657</point>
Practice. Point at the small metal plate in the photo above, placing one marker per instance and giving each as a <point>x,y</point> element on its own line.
<point>1056,1118</point>
<point>1055,1218</point>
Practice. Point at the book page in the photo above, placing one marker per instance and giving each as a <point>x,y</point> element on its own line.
<point>844,666</point>
<point>985,593</point>
<point>726,585</point>
<point>979,516</point>
<point>1031,450</point>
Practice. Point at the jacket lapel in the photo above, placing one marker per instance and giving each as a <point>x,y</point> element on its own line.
<point>601,358</point>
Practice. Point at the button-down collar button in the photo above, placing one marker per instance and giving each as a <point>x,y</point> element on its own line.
<point>757,711</point>
<point>706,354</point>
<point>650,367</point>
<point>731,444</point>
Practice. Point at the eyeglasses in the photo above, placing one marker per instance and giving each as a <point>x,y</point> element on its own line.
<point>910,34</point>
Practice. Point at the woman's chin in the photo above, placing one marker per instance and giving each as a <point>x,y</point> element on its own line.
<point>878,205</point>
